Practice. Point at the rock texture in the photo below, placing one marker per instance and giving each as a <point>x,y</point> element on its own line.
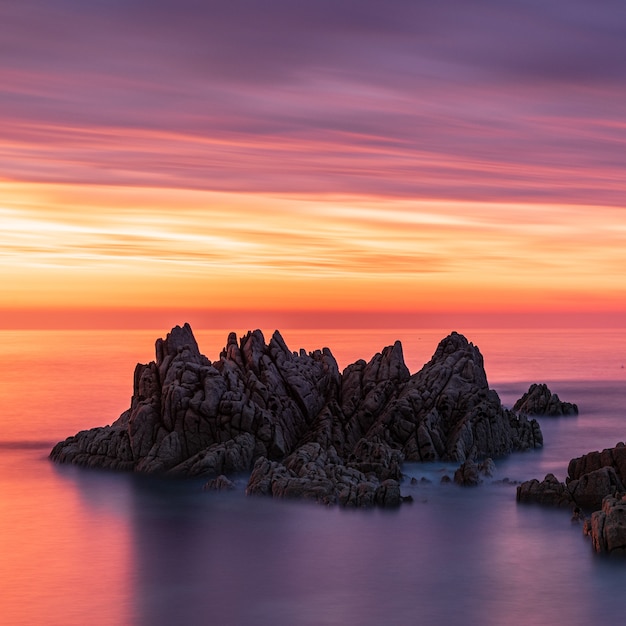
<point>470,473</point>
<point>607,527</point>
<point>596,482</point>
<point>539,400</point>
<point>549,491</point>
<point>590,478</point>
<point>303,428</point>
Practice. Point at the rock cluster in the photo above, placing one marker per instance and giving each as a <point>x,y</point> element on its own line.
<point>595,482</point>
<point>539,400</point>
<point>303,428</point>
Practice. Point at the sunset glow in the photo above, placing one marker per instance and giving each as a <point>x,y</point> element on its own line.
<point>285,165</point>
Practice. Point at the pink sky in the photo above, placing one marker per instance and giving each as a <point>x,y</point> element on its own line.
<point>300,160</point>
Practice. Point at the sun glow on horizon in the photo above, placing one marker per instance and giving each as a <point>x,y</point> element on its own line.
<point>124,247</point>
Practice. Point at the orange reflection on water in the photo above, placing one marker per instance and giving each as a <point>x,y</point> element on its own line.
<point>53,572</point>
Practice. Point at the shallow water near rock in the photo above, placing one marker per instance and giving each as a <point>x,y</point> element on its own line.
<point>102,548</point>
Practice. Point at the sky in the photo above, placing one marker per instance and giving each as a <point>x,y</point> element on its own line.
<point>301,163</point>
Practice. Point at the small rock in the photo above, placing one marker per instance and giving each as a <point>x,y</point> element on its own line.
<point>469,473</point>
<point>539,400</point>
<point>221,483</point>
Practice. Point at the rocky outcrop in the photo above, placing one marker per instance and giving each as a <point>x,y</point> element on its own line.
<point>590,478</point>
<point>303,428</point>
<point>321,475</point>
<point>539,400</point>
<point>611,457</point>
<point>596,482</point>
<point>607,527</point>
<point>549,492</point>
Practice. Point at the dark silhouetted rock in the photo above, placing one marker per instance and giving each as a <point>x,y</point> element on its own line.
<point>539,400</point>
<point>610,457</point>
<point>590,489</point>
<point>590,479</point>
<point>301,427</point>
<point>549,492</point>
<point>313,473</point>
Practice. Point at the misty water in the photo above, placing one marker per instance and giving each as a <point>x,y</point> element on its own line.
<point>90,547</point>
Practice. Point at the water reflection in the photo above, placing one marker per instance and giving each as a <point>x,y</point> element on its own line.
<point>64,561</point>
<point>100,548</point>
<point>460,556</point>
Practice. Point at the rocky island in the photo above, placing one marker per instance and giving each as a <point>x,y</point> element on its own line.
<point>300,427</point>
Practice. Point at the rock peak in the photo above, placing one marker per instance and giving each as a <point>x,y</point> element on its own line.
<point>453,342</point>
<point>178,338</point>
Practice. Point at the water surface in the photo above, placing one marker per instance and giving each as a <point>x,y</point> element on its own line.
<point>90,547</point>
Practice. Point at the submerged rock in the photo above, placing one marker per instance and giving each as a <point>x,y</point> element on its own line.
<point>299,425</point>
<point>221,483</point>
<point>539,400</point>
<point>470,473</point>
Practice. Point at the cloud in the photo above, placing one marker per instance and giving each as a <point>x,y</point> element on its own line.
<point>282,41</point>
<point>520,100</point>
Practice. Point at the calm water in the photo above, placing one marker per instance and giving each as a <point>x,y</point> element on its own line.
<point>87,547</point>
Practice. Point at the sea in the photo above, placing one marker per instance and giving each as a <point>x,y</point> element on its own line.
<point>89,547</point>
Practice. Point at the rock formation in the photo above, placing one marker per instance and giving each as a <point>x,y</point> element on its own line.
<point>469,473</point>
<point>299,425</point>
<point>596,482</point>
<point>607,527</point>
<point>549,491</point>
<point>539,400</point>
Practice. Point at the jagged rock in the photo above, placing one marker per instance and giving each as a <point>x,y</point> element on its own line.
<point>539,400</point>
<point>469,473</point>
<point>590,489</point>
<point>378,458</point>
<point>590,479</point>
<point>315,474</point>
<point>610,457</point>
<point>446,411</point>
<point>231,456</point>
<point>607,527</point>
<point>549,492</point>
<point>302,427</point>
<point>595,482</point>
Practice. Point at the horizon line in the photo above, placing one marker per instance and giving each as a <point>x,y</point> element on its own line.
<point>219,319</point>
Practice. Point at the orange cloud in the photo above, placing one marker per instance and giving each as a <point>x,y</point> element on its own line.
<point>72,246</point>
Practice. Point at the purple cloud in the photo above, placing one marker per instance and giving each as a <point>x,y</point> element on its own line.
<point>516,99</point>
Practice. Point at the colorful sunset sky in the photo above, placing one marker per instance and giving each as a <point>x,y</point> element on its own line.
<point>301,163</point>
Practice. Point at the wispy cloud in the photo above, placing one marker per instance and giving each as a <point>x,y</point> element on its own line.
<point>294,153</point>
<point>523,101</point>
<point>344,248</point>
